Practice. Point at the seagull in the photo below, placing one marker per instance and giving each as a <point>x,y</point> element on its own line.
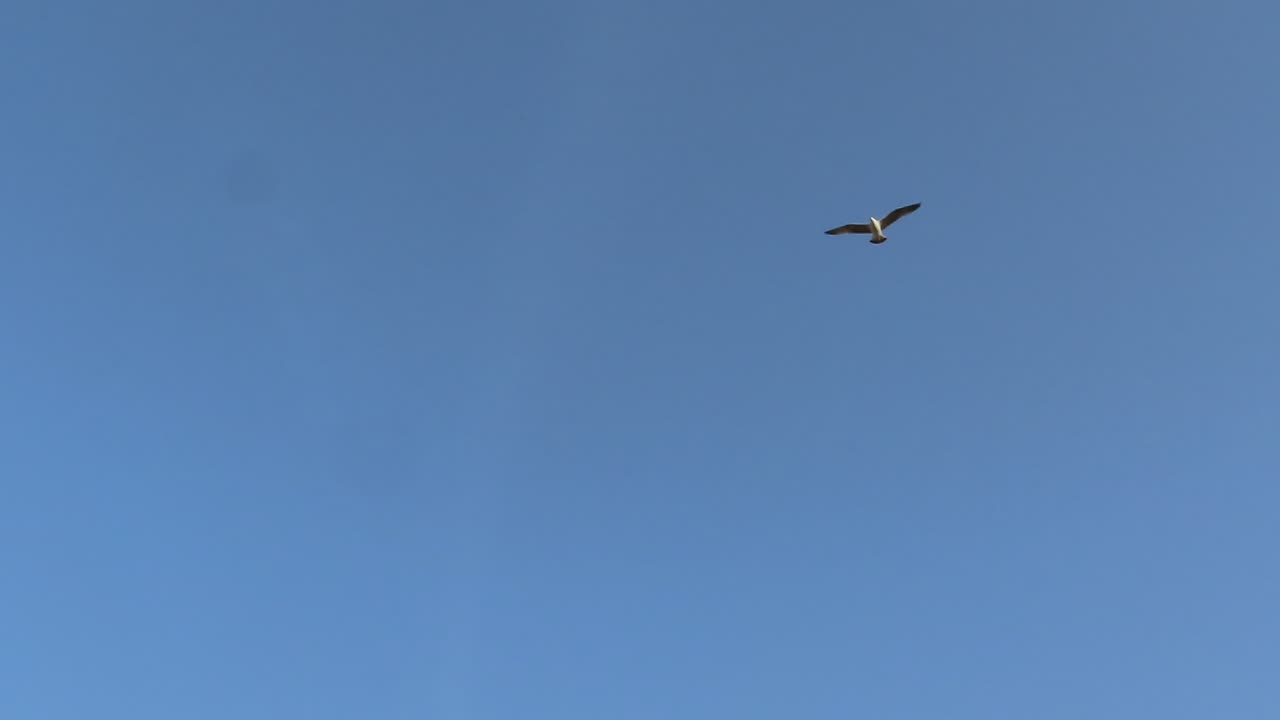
<point>875,227</point>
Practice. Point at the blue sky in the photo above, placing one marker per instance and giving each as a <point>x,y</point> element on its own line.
<point>404,360</point>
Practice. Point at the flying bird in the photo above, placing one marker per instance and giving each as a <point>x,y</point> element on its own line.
<point>875,226</point>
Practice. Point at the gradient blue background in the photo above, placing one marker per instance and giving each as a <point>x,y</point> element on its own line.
<point>487,360</point>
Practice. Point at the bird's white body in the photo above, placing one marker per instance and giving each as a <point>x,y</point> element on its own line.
<point>877,232</point>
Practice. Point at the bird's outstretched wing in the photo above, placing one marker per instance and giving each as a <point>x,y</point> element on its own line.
<point>893,217</point>
<point>850,228</point>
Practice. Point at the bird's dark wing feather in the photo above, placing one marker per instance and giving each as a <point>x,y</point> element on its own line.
<point>851,228</point>
<point>893,217</point>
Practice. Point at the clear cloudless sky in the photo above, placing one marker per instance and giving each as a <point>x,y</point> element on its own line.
<point>448,359</point>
